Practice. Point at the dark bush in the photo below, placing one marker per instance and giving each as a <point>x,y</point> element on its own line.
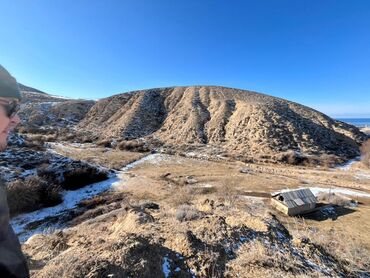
<point>133,145</point>
<point>80,177</point>
<point>31,194</point>
<point>104,143</point>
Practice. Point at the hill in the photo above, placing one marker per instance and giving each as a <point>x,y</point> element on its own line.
<point>227,121</point>
<point>42,111</point>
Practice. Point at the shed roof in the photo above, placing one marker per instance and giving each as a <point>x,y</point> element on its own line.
<point>296,198</point>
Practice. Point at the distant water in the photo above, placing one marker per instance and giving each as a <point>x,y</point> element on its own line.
<point>359,122</point>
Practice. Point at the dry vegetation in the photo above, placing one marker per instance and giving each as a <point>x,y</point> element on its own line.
<point>233,122</point>
<point>31,194</point>
<point>365,153</point>
<point>196,215</point>
<point>107,157</point>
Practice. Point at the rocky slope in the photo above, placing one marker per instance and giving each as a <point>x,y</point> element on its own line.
<point>40,110</point>
<point>237,122</point>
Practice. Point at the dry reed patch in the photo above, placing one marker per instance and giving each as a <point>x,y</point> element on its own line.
<point>365,153</point>
<point>110,158</point>
<point>131,222</point>
<point>238,219</point>
<point>342,245</point>
<point>31,193</point>
<point>187,213</point>
<point>254,259</point>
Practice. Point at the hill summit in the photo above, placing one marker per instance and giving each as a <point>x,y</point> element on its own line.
<point>231,121</point>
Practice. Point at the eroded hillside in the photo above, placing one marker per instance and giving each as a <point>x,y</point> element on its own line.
<point>237,122</point>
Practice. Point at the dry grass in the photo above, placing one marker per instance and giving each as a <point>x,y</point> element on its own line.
<point>365,153</point>
<point>110,158</point>
<point>133,145</point>
<point>255,260</point>
<point>31,194</point>
<point>225,215</point>
<point>342,246</point>
<point>186,213</point>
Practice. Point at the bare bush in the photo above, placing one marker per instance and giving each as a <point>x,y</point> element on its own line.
<point>186,213</point>
<point>104,143</point>
<point>351,251</point>
<point>365,153</point>
<point>31,194</point>
<point>79,177</point>
<point>133,145</point>
<point>181,196</point>
<point>228,192</point>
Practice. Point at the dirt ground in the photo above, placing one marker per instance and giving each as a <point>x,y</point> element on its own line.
<point>154,181</point>
<point>173,216</point>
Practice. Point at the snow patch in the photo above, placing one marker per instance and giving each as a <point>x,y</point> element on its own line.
<point>345,191</point>
<point>70,200</point>
<point>347,166</point>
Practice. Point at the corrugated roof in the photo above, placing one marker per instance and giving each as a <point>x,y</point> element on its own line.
<point>299,197</point>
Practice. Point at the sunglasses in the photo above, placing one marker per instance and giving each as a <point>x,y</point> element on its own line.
<point>11,108</point>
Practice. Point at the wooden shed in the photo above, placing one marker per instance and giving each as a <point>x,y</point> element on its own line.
<point>295,201</point>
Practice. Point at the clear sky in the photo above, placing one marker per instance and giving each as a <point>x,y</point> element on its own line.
<point>313,52</point>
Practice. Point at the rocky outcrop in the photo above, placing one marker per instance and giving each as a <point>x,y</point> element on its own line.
<point>40,110</point>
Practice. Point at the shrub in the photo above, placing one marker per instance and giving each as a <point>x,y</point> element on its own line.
<point>79,177</point>
<point>31,194</point>
<point>228,193</point>
<point>23,195</point>
<point>365,153</point>
<point>186,213</point>
<point>104,143</point>
<point>133,145</point>
<point>181,196</point>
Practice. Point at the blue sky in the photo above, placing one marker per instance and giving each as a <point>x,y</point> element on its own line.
<point>313,52</point>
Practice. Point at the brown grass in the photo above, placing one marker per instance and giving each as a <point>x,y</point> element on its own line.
<point>343,246</point>
<point>110,158</point>
<point>31,194</point>
<point>133,145</point>
<point>186,213</point>
<point>365,153</point>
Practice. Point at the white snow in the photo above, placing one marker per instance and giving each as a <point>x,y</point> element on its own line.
<point>71,198</point>
<point>345,191</point>
<point>317,190</point>
<point>70,201</point>
<point>347,166</point>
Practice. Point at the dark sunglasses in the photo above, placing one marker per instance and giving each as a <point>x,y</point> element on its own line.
<point>11,108</point>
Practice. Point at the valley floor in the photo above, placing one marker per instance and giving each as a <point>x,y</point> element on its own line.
<point>172,216</point>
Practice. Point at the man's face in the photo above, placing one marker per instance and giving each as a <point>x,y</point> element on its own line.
<point>6,124</point>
